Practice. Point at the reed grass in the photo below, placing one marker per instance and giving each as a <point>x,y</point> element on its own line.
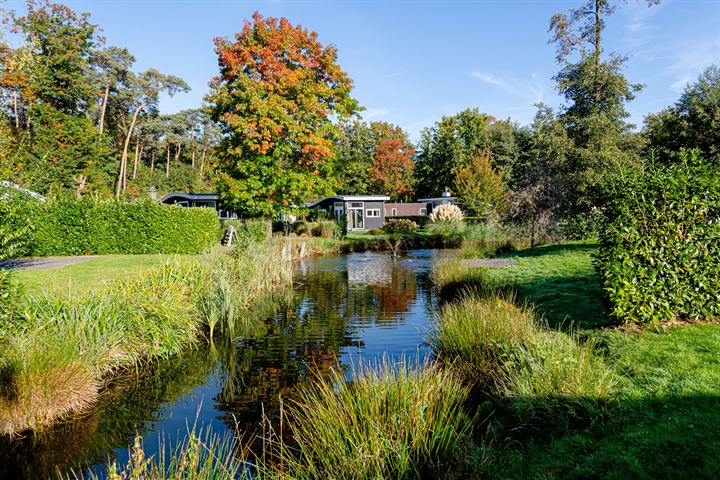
<point>558,374</point>
<point>480,337</point>
<point>453,277</point>
<point>511,356</point>
<point>202,455</point>
<point>391,421</point>
<point>57,351</point>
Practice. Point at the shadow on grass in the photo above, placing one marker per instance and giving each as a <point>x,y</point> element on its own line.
<point>554,249</point>
<point>566,303</point>
<point>567,298</point>
<point>649,438</point>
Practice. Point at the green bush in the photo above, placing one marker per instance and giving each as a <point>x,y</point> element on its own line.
<point>66,227</point>
<point>421,220</point>
<point>659,257</point>
<point>247,232</point>
<point>402,225</point>
<point>15,227</point>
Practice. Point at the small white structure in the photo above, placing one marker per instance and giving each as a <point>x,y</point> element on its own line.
<point>7,185</point>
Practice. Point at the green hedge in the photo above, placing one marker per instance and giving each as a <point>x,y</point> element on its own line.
<point>660,247</point>
<point>87,227</point>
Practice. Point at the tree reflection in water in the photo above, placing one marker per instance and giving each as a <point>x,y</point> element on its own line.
<point>338,300</point>
<point>367,303</point>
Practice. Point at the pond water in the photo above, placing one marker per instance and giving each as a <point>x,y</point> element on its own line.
<point>347,309</point>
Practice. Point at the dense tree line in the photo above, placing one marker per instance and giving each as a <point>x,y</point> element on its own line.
<point>280,125</point>
<point>79,119</point>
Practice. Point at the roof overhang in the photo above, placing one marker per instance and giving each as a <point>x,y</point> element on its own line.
<point>425,200</point>
<point>191,196</point>
<point>351,198</point>
<point>14,186</point>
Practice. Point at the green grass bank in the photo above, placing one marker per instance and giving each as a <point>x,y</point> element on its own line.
<point>656,418</point>
<point>59,347</point>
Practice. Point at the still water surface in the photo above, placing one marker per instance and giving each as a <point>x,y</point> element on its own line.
<point>347,309</point>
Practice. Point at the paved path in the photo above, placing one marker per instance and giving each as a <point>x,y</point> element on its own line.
<point>43,263</point>
<point>491,262</point>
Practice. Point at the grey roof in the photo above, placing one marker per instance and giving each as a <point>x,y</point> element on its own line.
<point>190,196</point>
<point>351,198</point>
<point>436,198</point>
<point>15,186</point>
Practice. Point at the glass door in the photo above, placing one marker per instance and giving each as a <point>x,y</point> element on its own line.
<point>356,220</point>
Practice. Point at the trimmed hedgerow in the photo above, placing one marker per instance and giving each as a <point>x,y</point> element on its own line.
<point>659,258</point>
<point>66,227</point>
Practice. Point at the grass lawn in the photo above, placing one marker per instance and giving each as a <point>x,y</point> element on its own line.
<point>666,423</point>
<point>88,275</point>
<point>560,281</point>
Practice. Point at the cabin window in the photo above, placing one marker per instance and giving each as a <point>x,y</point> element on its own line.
<point>393,212</point>
<point>182,203</point>
<point>356,205</point>
<point>423,211</point>
<point>372,213</point>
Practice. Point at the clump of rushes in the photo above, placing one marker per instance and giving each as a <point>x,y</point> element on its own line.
<point>480,337</point>
<point>556,374</point>
<point>201,456</point>
<point>391,421</point>
<point>452,277</point>
<point>538,374</point>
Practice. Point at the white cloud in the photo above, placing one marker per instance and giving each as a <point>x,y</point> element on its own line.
<point>491,79</point>
<point>371,113</point>
<point>689,62</point>
<point>531,89</point>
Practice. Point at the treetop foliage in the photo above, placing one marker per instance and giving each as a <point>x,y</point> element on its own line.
<point>275,95</point>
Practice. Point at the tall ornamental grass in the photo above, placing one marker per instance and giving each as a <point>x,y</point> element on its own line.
<point>480,337</point>
<point>391,421</point>
<point>453,277</point>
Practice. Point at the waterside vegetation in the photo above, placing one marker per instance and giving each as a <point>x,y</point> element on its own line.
<point>59,349</point>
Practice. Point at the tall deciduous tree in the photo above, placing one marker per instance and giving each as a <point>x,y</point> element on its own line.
<point>276,93</point>
<point>146,88</point>
<point>480,187</point>
<point>61,42</point>
<point>596,92</point>
<point>392,168</point>
<point>454,141</point>
<point>112,66</point>
<point>693,122</point>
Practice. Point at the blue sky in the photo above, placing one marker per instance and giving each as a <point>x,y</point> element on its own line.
<point>413,62</point>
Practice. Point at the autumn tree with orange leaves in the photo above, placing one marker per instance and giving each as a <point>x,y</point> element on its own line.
<point>392,168</point>
<point>276,93</point>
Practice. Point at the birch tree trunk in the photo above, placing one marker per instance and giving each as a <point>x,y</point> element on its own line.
<point>167,165</point>
<point>106,95</point>
<point>152,163</point>
<point>137,156</point>
<point>121,184</point>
